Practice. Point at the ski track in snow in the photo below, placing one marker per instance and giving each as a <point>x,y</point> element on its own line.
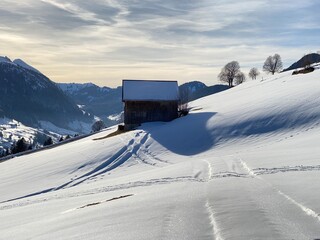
<point>209,208</point>
<point>168,223</point>
<point>130,149</point>
<point>301,168</point>
<point>135,147</point>
<point>251,173</point>
<point>307,211</point>
<point>209,170</point>
<point>272,207</point>
<point>143,154</point>
<point>215,227</point>
<point>26,201</point>
<point>256,172</point>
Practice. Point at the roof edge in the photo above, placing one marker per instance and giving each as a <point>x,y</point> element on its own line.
<point>149,80</point>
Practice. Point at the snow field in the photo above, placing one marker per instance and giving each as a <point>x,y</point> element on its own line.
<point>244,164</point>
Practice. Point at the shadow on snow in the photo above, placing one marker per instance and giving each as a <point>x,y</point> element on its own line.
<point>185,136</point>
<point>192,135</point>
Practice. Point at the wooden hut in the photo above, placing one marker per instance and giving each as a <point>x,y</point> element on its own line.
<point>149,101</point>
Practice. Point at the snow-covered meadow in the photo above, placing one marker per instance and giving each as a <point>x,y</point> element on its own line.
<point>244,164</point>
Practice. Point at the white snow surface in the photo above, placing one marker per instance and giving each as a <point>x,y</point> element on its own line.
<point>244,164</point>
<point>150,90</point>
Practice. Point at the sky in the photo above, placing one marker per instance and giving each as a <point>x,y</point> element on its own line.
<point>105,41</point>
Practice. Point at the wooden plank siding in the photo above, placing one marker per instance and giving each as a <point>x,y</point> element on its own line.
<point>137,112</point>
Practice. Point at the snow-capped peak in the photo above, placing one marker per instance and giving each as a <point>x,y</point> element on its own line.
<point>72,87</point>
<point>5,59</point>
<point>23,64</point>
<point>75,87</point>
<point>18,62</point>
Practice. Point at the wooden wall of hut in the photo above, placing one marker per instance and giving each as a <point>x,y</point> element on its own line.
<point>136,112</point>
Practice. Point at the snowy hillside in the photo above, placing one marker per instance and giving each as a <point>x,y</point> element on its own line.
<point>11,131</point>
<point>244,164</point>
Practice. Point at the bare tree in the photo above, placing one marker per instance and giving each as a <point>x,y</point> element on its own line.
<point>184,99</point>
<point>184,93</point>
<point>254,73</point>
<point>229,72</point>
<point>240,78</point>
<point>273,64</point>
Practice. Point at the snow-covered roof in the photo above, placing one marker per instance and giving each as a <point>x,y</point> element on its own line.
<point>149,90</point>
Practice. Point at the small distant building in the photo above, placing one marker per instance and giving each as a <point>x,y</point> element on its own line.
<point>149,101</point>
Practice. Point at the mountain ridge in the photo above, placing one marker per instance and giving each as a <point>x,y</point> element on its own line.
<point>305,60</point>
<point>29,96</point>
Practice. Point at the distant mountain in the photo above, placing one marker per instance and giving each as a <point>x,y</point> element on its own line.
<point>99,101</point>
<point>309,58</point>
<point>192,87</point>
<point>209,91</point>
<point>191,91</point>
<point>28,96</point>
<point>83,89</point>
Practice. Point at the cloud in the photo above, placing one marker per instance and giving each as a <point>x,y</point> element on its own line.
<point>56,15</point>
<point>75,39</point>
<point>89,12</point>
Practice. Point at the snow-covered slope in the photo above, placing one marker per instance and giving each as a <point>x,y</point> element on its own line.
<point>244,164</point>
<point>18,62</point>
<point>23,64</point>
